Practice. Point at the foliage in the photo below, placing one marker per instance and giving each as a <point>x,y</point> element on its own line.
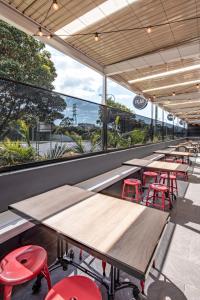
<point>118,105</point>
<point>12,152</point>
<point>23,130</point>
<point>116,140</point>
<point>24,59</point>
<point>138,136</point>
<point>56,152</point>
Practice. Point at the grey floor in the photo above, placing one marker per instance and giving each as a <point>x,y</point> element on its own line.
<point>177,272</point>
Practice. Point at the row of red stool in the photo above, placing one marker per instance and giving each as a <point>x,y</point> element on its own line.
<point>25,263</point>
<point>132,189</point>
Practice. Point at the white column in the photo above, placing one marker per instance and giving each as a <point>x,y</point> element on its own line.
<point>104,90</point>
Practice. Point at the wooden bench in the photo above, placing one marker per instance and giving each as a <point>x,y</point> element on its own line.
<point>12,225</point>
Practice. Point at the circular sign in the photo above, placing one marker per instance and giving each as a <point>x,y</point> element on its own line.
<point>170,117</point>
<point>181,122</point>
<point>139,102</point>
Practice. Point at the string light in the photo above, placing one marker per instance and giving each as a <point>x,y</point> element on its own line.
<point>40,33</point>
<point>197,86</point>
<point>154,96</point>
<point>149,29</point>
<point>173,94</point>
<point>49,36</point>
<point>96,36</point>
<point>55,5</point>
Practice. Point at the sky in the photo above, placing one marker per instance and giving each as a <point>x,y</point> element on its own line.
<point>75,79</point>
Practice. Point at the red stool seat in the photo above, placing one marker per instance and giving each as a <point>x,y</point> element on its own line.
<point>156,189</point>
<point>159,187</point>
<point>136,188</point>
<point>21,265</point>
<point>132,181</point>
<point>150,175</point>
<point>74,288</point>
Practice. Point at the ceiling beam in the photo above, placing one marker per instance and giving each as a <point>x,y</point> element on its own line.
<point>154,59</point>
<point>182,109</point>
<point>179,96</point>
<point>28,25</point>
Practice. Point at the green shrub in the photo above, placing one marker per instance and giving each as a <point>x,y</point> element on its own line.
<point>12,152</point>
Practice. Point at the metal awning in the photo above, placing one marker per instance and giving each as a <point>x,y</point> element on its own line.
<point>136,59</point>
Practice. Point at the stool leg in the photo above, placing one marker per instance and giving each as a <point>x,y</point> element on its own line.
<point>123,191</point>
<point>142,286</point>
<point>172,186</point>
<point>137,194</point>
<point>104,267</point>
<point>176,186</point>
<point>144,180</point>
<point>163,200</point>
<point>148,197</point>
<point>46,274</point>
<point>7,292</point>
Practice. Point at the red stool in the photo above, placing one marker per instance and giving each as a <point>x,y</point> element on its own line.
<point>182,174</point>
<point>173,182</point>
<point>21,265</point>
<point>132,186</point>
<point>169,159</point>
<point>179,161</point>
<point>150,175</point>
<point>74,288</point>
<point>156,189</point>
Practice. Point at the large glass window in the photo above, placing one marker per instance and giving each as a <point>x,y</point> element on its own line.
<point>40,125</point>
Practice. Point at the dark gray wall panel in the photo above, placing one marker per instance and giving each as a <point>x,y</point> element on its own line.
<point>19,185</point>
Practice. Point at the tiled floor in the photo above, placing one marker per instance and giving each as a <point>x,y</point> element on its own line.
<point>177,272</point>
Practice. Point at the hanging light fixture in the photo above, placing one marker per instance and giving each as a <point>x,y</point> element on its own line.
<point>96,36</point>
<point>40,33</point>
<point>149,29</point>
<point>49,36</point>
<point>197,86</point>
<point>55,5</point>
<point>173,94</point>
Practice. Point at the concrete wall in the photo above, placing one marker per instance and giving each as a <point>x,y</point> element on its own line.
<point>19,185</point>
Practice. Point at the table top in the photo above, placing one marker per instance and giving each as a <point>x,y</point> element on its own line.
<point>174,153</point>
<point>122,232</point>
<point>50,203</point>
<point>157,165</point>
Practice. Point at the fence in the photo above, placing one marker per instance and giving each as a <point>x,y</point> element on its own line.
<point>40,125</point>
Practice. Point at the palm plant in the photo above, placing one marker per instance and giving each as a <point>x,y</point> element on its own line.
<point>56,152</point>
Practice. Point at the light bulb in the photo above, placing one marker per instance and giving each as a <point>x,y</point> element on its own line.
<point>96,37</point>
<point>173,94</point>
<point>197,86</point>
<point>149,29</point>
<point>49,36</point>
<point>40,33</point>
<point>55,5</point>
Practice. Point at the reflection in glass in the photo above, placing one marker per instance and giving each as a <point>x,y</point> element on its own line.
<point>38,125</point>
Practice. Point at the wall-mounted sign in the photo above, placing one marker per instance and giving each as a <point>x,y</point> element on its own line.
<point>139,102</point>
<point>181,122</point>
<point>170,117</point>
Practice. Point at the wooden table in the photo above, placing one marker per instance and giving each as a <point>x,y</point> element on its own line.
<point>123,233</point>
<point>45,205</point>
<point>157,165</point>
<point>176,153</point>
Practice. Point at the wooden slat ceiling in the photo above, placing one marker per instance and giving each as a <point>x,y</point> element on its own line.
<point>122,46</point>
